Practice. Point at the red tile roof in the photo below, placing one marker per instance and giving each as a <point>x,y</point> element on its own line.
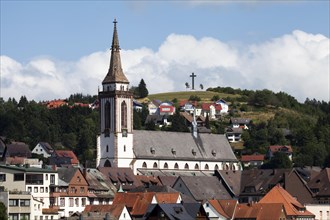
<point>136,202</point>
<point>276,148</point>
<point>114,209</point>
<point>167,197</point>
<point>271,211</point>
<point>206,106</point>
<point>292,207</point>
<point>247,158</point>
<point>68,153</point>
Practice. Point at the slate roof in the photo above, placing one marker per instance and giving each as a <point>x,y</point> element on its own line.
<point>183,144</point>
<point>120,176</point>
<point>115,73</point>
<point>203,187</point>
<point>231,179</point>
<point>66,174</point>
<point>291,205</point>
<point>320,184</point>
<point>171,211</point>
<point>98,183</point>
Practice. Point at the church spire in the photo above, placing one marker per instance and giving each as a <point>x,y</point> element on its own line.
<point>115,73</point>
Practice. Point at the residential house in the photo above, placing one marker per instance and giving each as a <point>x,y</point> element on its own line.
<point>70,194</point>
<point>320,186</point>
<point>240,123</point>
<point>220,209</point>
<point>44,149</point>
<point>55,103</point>
<point>100,188</point>
<point>18,149</point>
<point>152,107</point>
<point>279,148</point>
<point>233,134</point>
<point>166,108</point>
<point>256,183</point>
<point>137,105</point>
<point>160,120</point>
<point>231,180</point>
<point>224,106</point>
<point>293,208</point>
<point>64,158</point>
<point>255,211</point>
<point>201,188</point>
<point>212,110</point>
<point>26,191</point>
<point>101,212</point>
<point>255,160</point>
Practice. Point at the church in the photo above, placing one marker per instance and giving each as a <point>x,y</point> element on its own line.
<point>118,145</point>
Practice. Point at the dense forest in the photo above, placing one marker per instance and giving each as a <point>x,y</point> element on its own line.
<point>304,126</point>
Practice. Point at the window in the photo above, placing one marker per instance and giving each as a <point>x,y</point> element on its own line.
<point>13,216</point>
<point>25,216</point>
<point>52,179</point>
<point>82,189</point>
<point>13,202</point>
<point>107,149</point>
<point>35,189</point>
<point>176,166</point>
<point>72,190</point>
<point>186,166</point>
<point>29,189</point>
<point>216,167</point>
<point>25,202</point>
<point>123,115</point>
<point>206,167</point>
<point>46,177</point>
<point>2,177</point>
<point>71,202</point>
<point>107,116</point>
<point>165,166</point>
<point>196,167</point>
<point>34,179</point>
<point>18,176</point>
<point>46,189</point>
<point>155,165</point>
<point>62,202</point>
<point>76,201</point>
<point>41,189</point>
<point>144,165</point>
<point>83,201</point>
<point>124,148</point>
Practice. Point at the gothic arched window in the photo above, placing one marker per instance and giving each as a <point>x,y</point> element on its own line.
<point>144,165</point>
<point>216,167</point>
<point>186,166</point>
<point>176,166</point>
<point>206,167</point>
<point>107,163</point>
<point>165,166</point>
<point>196,167</point>
<point>107,116</point>
<point>155,165</point>
<point>123,115</point>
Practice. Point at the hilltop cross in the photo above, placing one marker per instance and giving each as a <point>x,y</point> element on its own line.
<point>193,81</point>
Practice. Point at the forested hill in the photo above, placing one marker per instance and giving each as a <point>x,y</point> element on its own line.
<point>75,126</point>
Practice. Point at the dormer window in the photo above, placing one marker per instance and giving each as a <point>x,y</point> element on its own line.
<point>214,153</point>
<point>152,150</point>
<point>193,152</point>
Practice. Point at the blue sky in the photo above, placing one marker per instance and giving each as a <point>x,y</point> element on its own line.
<point>54,34</point>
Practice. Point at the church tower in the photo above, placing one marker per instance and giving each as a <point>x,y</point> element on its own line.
<point>115,142</point>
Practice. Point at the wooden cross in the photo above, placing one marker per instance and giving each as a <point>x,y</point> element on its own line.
<point>193,81</point>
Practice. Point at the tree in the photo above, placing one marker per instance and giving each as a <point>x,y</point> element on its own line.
<point>215,98</point>
<point>142,89</point>
<point>194,98</point>
<point>280,160</point>
<point>187,85</point>
<point>3,212</point>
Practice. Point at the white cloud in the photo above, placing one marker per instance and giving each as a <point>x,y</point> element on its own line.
<point>296,63</point>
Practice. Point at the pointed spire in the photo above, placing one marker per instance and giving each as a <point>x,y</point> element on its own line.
<point>115,73</point>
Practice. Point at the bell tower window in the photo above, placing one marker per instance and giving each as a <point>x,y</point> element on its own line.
<point>123,114</point>
<point>107,116</point>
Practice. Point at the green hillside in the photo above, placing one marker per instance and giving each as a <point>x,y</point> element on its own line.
<point>184,95</point>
